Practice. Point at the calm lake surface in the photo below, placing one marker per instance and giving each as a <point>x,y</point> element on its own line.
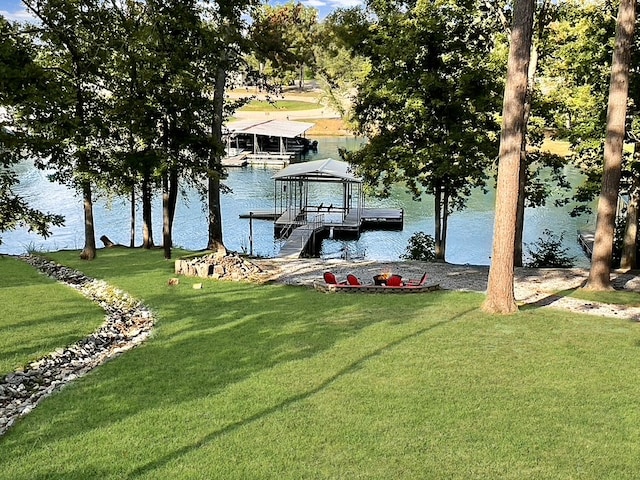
<point>469,236</point>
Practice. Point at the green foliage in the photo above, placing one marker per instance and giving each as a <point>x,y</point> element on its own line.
<point>420,247</point>
<point>576,75</point>
<point>428,106</point>
<point>285,35</point>
<point>240,381</point>
<point>20,79</point>
<point>547,252</point>
<point>339,65</point>
<point>125,98</point>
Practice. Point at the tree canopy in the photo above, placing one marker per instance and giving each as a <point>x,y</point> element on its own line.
<point>428,104</point>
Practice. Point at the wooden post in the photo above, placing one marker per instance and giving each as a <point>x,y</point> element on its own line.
<point>251,234</point>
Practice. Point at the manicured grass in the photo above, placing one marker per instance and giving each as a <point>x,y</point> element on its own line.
<point>616,297</point>
<point>280,105</point>
<point>38,315</point>
<point>559,147</point>
<point>242,381</point>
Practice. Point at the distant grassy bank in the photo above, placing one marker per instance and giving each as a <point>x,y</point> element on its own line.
<point>281,382</point>
<point>279,105</point>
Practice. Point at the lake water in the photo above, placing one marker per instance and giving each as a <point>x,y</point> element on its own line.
<point>469,236</point>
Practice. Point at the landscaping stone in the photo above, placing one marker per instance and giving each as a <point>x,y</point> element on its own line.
<point>221,267</point>
<point>128,323</point>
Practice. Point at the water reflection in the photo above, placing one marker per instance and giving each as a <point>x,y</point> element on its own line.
<point>469,236</point>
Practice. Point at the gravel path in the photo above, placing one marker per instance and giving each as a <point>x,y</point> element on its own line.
<point>533,286</point>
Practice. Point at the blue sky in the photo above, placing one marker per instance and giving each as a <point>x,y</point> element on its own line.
<point>14,10</point>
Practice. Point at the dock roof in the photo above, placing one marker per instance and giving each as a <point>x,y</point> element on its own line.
<point>327,169</point>
<point>272,128</point>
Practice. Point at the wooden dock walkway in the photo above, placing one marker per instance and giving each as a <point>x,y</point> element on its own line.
<point>298,241</point>
<point>265,158</point>
<point>586,239</point>
<point>260,215</point>
<point>302,232</point>
<point>239,160</point>
<point>382,217</point>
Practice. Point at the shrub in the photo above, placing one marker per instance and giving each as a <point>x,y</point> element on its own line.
<point>420,247</point>
<point>547,251</point>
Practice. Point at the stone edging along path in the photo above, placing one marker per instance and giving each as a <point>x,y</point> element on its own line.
<point>128,323</point>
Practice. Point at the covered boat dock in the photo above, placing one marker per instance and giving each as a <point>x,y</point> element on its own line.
<point>303,214</point>
<point>270,142</point>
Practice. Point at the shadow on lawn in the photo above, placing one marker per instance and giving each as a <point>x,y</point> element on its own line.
<point>548,300</point>
<point>198,355</point>
<point>207,341</point>
<point>353,366</point>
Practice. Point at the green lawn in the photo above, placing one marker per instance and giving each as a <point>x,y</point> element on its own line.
<point>616,297</point>
<point>284,105</point>
<point>38,315</point>
<point>242,381</point>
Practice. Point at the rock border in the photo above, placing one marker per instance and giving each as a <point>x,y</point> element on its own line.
<point>128,323</point>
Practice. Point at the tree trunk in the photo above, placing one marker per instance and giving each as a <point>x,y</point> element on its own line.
<point>89,250</point>
<point>301,80</point>
<point>439,247</point>
<point>445,223</point>
<point>522,184</point>
<point>215,211</point>
<point>500,294</point>
<point>169,200</point>
<point>630,245</point>
<point>599,274</point>
<point>132,239</point>
<point>166,219</point>
<point>518,260</point>
<point>147,225</point>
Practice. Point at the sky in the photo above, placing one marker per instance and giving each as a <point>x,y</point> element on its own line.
<point>14,10</point>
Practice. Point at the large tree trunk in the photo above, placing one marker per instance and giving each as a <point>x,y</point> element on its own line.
<point>445,222</point>
<point>147,225</point>
<point>89,250</point>
<point>599,274</point>
<point>215,212</point>
<point>522,184</point>
<point>500,294</point>
<point>518,257</point>
<point>166,221</point>
<point>169,200</point>
<point>439,246</point>
<point>132,234</point>
<point>630,245</point>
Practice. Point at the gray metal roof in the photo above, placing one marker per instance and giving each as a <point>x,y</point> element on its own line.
<point>272,128</point>
<point>319,170</point>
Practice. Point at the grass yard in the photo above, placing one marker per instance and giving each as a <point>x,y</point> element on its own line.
<point>284,105</point>
<point>38,315</point>
<point>242,381</point>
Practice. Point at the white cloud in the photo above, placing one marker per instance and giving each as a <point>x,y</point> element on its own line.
<point>315,3</point>
<point>18,16</point>
<point>345,3</point>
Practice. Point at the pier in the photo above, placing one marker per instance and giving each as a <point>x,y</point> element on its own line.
<point>266,142</point>
<point>303,237</point>
<point>586,238</point>
<point>304,222</point>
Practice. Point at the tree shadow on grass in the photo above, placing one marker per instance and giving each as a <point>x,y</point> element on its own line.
<point>351,367</point>
<point>548,300</point>
<point>204,343</point>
